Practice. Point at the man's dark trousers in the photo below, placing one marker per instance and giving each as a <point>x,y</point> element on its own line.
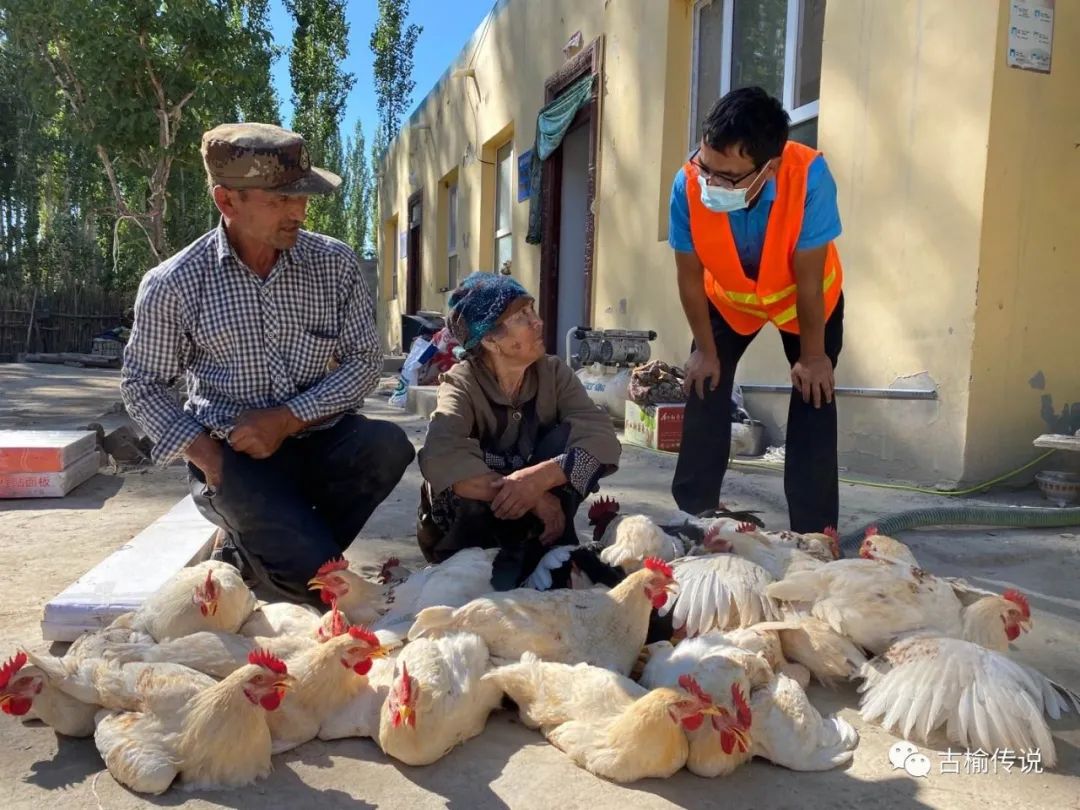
<point>810,468</point>
<point>288,514</point>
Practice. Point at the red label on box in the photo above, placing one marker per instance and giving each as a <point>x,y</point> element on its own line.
<point>669,427</point>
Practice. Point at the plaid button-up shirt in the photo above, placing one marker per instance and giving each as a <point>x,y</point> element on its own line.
<point>244,342</point>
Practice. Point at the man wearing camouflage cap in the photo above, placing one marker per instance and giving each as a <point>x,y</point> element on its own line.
<point>273,329</point>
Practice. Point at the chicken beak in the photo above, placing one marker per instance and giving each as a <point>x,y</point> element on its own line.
<point>404,713</point>
<point>316,584</point>
<point>379,652</point>
<point>714,710</point>
<point>285,682</point>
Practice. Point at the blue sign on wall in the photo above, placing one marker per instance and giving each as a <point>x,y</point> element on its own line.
<point>524,175</point>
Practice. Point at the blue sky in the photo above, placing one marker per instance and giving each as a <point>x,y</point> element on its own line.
<point>447,27</point>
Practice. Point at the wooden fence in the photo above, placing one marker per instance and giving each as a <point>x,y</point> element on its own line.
<point>61,321</point>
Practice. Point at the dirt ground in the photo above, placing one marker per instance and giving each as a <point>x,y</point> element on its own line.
<point>47,544</point>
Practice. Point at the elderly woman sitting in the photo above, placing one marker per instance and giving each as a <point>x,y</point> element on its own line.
<point>515,444</point>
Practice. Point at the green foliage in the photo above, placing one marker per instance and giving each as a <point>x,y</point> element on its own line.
<point>359,193</point>
<point>392,45</point>
<point>107,102</point>
<point>320,88</point>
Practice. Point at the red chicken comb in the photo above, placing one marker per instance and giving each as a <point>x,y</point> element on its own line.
<point>1018,598</point>
<point>336,564</point>
<point>871,531</point>
<point>13,665</point>
<point>267,660</point>
<point>406,684</point>
<point>746,528</point>
<point>690,684</point>
<point>830,531</point>
<point>742,708</point>
<point>384,571</point>
<point>363,634</point>
<point>603,507</point>
<point>656,564</point>
<point>338,625</point>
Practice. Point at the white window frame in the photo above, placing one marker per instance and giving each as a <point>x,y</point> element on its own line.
<point>508,231</point>
<point>452,234</point>
<point>799,115</point>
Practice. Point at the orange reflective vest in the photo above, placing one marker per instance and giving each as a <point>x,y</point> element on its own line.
<point>744,303</point>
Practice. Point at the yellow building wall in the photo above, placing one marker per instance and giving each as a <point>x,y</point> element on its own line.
<point>460,125</point>
<point>1027,321</point>
<point>920,120</point>
<point>905,107</point>
<point>644,111</point>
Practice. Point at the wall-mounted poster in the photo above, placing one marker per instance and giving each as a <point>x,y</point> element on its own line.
<point>1031,34</point>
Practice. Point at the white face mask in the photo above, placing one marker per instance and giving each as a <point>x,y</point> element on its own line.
<point>722,200</point>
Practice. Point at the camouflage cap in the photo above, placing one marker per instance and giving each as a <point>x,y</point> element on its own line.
<point>263,156</point>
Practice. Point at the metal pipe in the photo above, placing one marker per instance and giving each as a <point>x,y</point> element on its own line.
<point>870,393</point>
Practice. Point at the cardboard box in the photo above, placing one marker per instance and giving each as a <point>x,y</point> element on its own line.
<point>657,426</point>
<point>50,484</point>
<point>43,450</point>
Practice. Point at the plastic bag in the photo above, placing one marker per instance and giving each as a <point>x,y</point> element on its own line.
<point>419,353</point>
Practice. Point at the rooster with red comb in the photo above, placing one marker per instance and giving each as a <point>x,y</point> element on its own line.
<point>198,742</point>
<point>437,698</point>
<point>606,723</point>
<point>603,628</point>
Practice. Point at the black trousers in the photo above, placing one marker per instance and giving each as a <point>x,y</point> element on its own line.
<point>810,470</point>
<point>475,525</point>
<point>288,514</point>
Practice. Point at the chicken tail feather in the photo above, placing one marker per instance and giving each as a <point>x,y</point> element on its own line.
<point>431,621</point>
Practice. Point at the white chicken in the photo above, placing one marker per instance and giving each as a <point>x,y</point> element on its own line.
<point>628,540</point>
<point>326,677</point>
<point>271,619</point>
<point>982,698</point>
<point>874,603</point>
<point>452,583</point>
<point>360,716</point>
<point>393,606</point>
<point>361,600</point>
<point>809,642</point>
<point>129,687</point>
<point>779,553</point>
<point>607,724</point>
<point>765,641</point>
<point>719,592</point>
<point>726,674</point>
<point>438,698</point>
<point>603,628</point>
<point>217,739</point>
<point>780,723</point>
<point>25,692</point>
<point>219,654</point>
<point>882,547</point>
<point>789,731</point>
<point>208,596</point>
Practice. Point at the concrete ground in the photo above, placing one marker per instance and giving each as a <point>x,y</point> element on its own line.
<point>47,544</point>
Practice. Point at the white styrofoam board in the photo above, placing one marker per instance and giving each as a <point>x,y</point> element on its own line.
<point>50,484</point>
<point>43,450</point>
<point>1057,441</point>
<point>123,580</point>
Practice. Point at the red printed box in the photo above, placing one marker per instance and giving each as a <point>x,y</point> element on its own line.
<point>43,451</point>
<point>659,427</point>
<point>50,484</point>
